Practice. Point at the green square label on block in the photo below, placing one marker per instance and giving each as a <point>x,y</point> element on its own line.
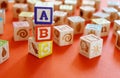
<point>2,42</point>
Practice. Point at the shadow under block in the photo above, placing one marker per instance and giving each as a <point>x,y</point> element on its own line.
<point>21,30</point>
<point>4,51</point>
<point>91,46</point>
<point>43,13</point>
<point>40,49</point>
<point>63,35</point>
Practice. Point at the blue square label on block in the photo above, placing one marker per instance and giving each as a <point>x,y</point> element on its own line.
<point>43,15</point>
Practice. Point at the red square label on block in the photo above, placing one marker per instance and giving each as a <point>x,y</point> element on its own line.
<point>43,33</point>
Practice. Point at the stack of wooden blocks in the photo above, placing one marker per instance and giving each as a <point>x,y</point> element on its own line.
<point>41,43</point>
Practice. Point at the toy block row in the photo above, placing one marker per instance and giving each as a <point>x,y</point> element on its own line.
<point>40,49</point>
<point>3,4</point>
<point>63,35</point>
<point>4,51</point>
<point>91,46</point>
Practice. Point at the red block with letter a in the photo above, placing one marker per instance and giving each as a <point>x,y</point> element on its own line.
<point>43,33</point>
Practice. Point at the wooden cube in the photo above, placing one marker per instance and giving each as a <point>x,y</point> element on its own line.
<point>60,17</point>
<point>4,51</point>
<point>41,49</point>
<point>2,14</point>
<point>118,40</point>
<point>43,13</point>
<point>20,1</point>
<point>87,12</point>
<point>1,26</point>
<point>18,8</point>
<point>112,12</point>
<point>3,4</point>
<point>57,5</point>
<point>93,29</point>
<point>119,8</point>
<point>67,8</point>
<point>31,4</point>
<point>114,4</point>
<point>105,25</point>
<point>101,15</point>
<point>90,46</point>
<point>43,32</point>
<point>63,35</point>
<point>116,26</point>
<point>71,2</point>
<point>77,23</point>
<point>27,16</point>
<point>21,30</point>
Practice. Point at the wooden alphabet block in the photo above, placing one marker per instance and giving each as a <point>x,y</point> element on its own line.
<point>43,32</point>
<point>3,4</point>
<point>27,16</point>
<point>21,30</point>
<point>105,25</point>
<point>67,8</point>
<point>77,23</point>
<point>63,35</point>
<point>18,8</point>
<point>118,40</point>
<point>4,51</point>
<point>60,17</point>
<point>101,15</point>
<point>41,49</point>
<point>112,12</point>
<point>20,1</point>
<point>93,29</point>
<point>57,5</point>
<point>44,13</point>
<point>90,46</point>
<point>2,14</point>
<point>31,4</point>
<point>1,26</point>
<point>116,26</point>
<point>87,12</point>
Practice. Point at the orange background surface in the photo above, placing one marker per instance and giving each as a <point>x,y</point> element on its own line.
<point>65,62</point>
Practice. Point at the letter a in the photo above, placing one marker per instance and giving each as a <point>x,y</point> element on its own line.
<point>43,15</point>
